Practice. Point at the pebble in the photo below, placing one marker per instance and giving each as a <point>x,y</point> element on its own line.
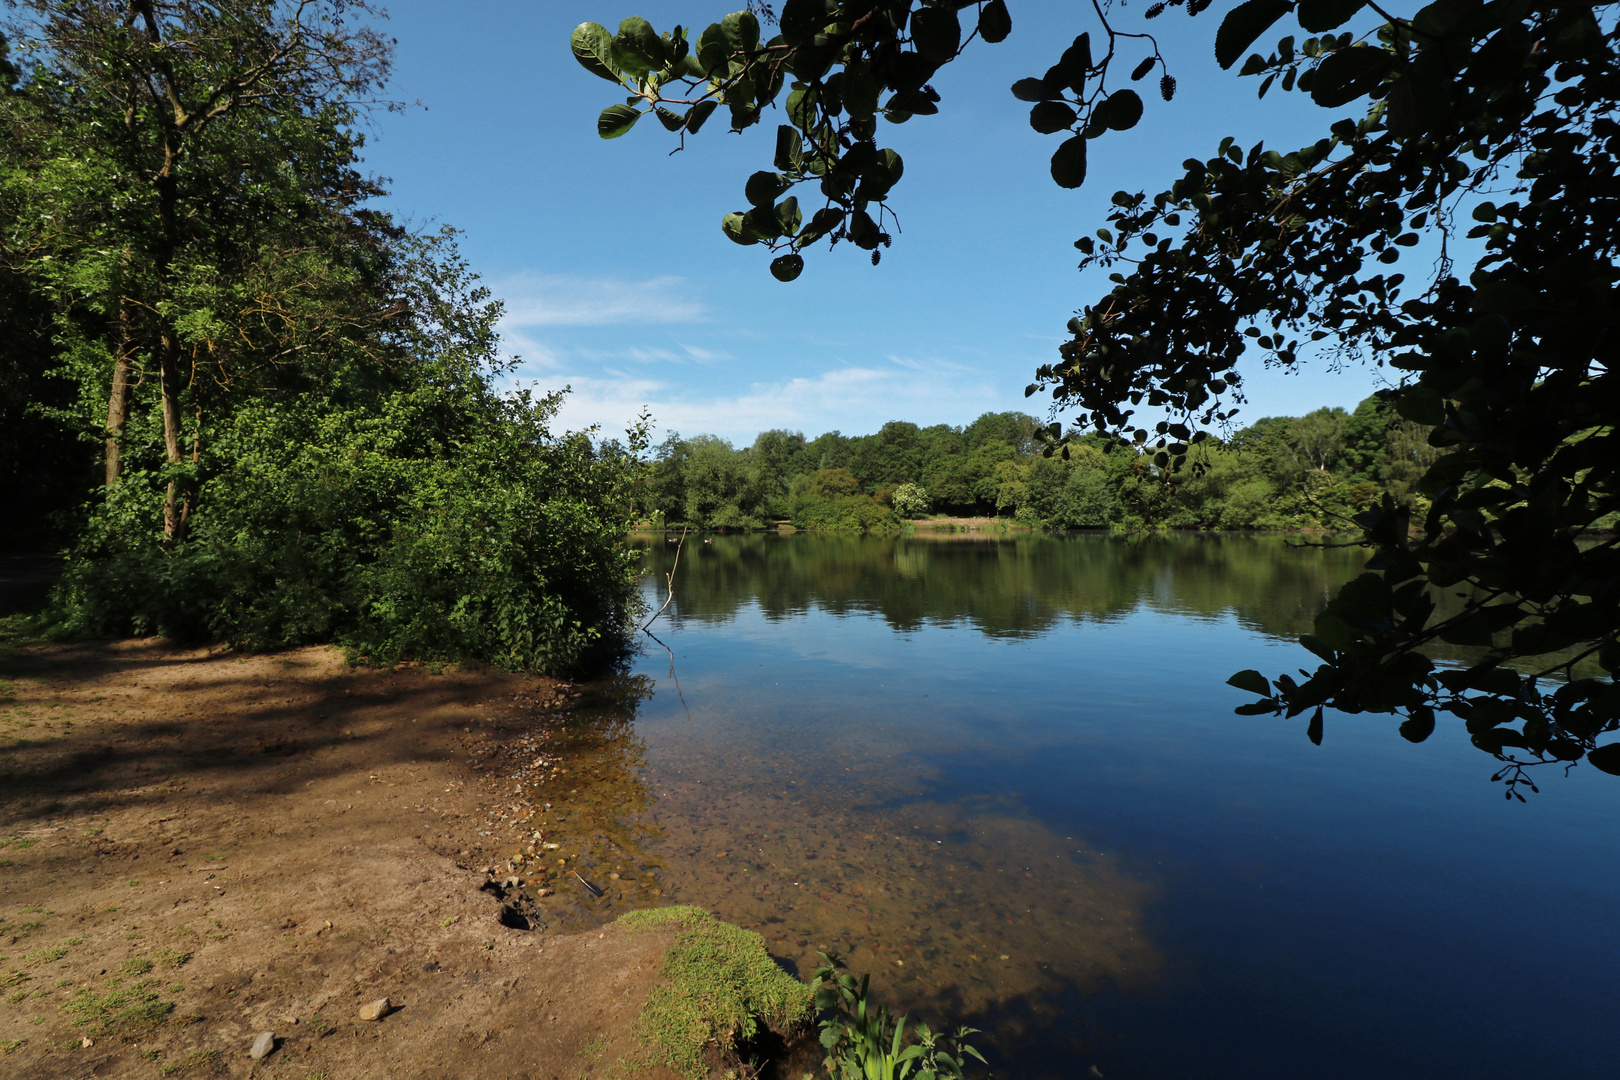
<point>374,1010</point>
<point>263,1045</point>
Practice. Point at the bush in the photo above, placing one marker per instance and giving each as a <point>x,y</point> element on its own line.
<point>441,522</point>
<point>847,513</point>
<point>910,501</point>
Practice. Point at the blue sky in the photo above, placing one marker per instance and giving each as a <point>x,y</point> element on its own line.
<point>619,283</point>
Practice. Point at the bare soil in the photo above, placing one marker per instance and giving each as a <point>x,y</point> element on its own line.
<point>198,846</point>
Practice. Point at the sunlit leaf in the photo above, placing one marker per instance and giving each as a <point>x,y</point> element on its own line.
<point>593,48</point>
<point>615,120</point>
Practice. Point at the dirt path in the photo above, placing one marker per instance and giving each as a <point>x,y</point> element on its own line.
<point>197,847</point>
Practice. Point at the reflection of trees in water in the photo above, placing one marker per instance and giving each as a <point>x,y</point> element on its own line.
<point>1016,586</point>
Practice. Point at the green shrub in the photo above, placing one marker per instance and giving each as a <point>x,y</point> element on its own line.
<point>845,513</point>
<point>439,522</point>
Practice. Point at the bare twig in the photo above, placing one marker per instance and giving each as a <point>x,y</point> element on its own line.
<point>669,581</point>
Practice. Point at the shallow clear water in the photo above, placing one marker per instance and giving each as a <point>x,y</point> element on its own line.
<point>1005,778</point>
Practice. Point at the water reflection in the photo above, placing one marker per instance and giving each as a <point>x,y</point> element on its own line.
<point>1017,587</point>
<point>1004,777</point>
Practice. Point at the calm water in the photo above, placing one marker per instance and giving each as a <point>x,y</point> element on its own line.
<point>1005,778</point>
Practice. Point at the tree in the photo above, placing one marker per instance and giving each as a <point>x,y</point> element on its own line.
<point>294,400</point>
<point>230,124</point>
<point>1502,111</point>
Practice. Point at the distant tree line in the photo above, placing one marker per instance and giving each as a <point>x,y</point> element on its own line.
<point>1312,471</point>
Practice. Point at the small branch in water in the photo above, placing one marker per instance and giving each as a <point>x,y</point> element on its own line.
<point>674,677</point>
<point>594,890</point>
<point>669,581</point>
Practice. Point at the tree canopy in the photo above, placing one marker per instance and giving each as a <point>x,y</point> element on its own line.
<point>1493,120</point>
<point>1306,472</point>
<point>269,413</point>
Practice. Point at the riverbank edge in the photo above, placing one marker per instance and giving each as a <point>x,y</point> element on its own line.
<point>289,839</point>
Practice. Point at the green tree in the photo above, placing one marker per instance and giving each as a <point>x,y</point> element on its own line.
<point>294,401</point>
<point>1502,111</point>
<point>159,136</point>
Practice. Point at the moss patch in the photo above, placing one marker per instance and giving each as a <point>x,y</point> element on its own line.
<point>718,986</point>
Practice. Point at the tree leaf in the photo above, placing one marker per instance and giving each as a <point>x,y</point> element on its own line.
<point>672,121</point>
<point>1252,681</point>
<point>615,120</point>
<point>699,113</point>
<point>1071,68</point>
<point>1032,90</point>
<point>637,47</point>
<point>1050,116</point>
<point>1124,109</point>
<point>1243,26</point>
<point>1419,726</point>
<point>736,231</point>
<point>1069,163</point>
<point>593,48</point>
<point>1319,16</point>
<point>994,22</point>
<point>1348,74</point>
<point>763,188</point>
<point>803,19</point>
<point>1606,758</point>
<point>1313,730</point>
<point>937,33</point>
<point>741,31</point>
<point>788,215</point>
<point>822,222</point>
<point>787,267</point>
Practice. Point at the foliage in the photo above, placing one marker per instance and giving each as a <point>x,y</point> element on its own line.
<point>434,518</point>
<point>1497,118</point>
<point>865,1043</point>
<point>910,501</point>
<point>1469,104</point>
<point>1280,473</point>
<point>294,401</point>
<point>718,985</point>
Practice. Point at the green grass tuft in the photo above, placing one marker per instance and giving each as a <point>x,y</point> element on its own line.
<point>136,965</point>
<point>718,985</point>
<point>174,958</point>
<point>121,1010</point>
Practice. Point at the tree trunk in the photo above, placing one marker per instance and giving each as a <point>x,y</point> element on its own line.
<point>117,412</point>
<point>174,513</point>
<point>174,516</point>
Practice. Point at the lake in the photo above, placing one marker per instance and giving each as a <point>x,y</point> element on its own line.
<point>1004,777</point>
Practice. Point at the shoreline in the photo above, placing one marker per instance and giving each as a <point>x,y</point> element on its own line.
<point>199,846</point>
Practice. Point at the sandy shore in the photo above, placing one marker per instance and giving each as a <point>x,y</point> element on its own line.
<point>197,847</point>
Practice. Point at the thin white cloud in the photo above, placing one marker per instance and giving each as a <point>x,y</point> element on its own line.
<point>930,364</point>
<point>852,399</point>
<point>540,300</point>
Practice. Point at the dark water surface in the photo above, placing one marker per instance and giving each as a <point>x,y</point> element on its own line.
<point>1005,778</point>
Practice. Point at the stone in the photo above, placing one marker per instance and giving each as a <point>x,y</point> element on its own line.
<point>263,1046</point>
<point>374,1010</point>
